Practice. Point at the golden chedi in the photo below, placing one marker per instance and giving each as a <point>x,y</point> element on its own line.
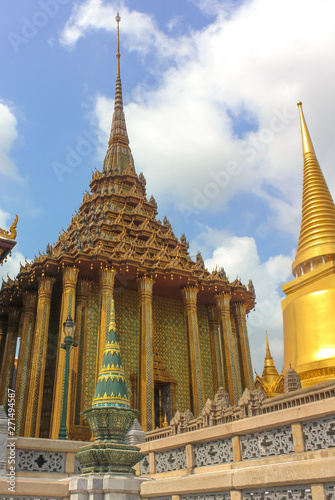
<point>271,382</point>
<point>308,309</point>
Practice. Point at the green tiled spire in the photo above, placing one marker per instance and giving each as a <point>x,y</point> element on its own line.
<point>111,388</point>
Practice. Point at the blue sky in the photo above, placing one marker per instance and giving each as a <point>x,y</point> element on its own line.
<point>210,90</point>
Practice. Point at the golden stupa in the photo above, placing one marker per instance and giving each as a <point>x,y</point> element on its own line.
<point>308,309</point>
<point>271,382</point>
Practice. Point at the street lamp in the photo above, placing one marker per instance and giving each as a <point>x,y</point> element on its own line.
<point>68,328</point>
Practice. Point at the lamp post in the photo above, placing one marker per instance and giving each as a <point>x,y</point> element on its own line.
<point>68,328</point>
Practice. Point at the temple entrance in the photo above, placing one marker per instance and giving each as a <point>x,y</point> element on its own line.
<point>163,403</point>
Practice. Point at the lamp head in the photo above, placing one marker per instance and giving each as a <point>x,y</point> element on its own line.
<point>69,327</point>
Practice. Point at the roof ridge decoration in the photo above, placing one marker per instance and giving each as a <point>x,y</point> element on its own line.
<point>11,233</point>
<point>317,231</point>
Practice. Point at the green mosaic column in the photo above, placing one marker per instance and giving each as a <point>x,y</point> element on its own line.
<point>70,276</point>
<point>146,369</point>
<point>215,347</point>
<point>38,357</point>
<point>231,371</point>
<point>78,356</point>
<point>196,382</point>
<point>239,309</point>
<point>9,354</point>
<point>23,365</point>
<point>2,339</point>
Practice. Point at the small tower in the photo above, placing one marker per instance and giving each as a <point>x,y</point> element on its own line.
<point>308,309</point>
<point>270,381</point>
<point>110,417</point>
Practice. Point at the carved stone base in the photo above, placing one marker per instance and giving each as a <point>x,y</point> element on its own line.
<point>109,454</point>
<point>109,458</point>
<point>80,432</point>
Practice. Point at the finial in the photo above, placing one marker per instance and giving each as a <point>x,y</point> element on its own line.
<point>307,145</point>
<point>118,55</point>
<point>165,423</point>
<point>268,354</point>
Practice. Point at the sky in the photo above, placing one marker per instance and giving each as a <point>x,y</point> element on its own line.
<point>210,90</point>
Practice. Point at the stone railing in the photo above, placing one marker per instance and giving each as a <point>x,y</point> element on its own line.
<point>291,452</point>
<point>46,456</point>
<point>252,403</point>
<point>42,467</point>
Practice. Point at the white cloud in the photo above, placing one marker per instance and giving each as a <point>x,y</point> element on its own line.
<point>214,7</point>
<point>239,257</point>
<point>139,30</point>
<point>8,135</point>
<point>4,217</point>
<point>255,64</point>
<point>12,266</point>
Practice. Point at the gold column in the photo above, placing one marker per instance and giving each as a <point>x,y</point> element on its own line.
<point>78,355</point>
<point>38,358</point>
<point>2,339</point>
<point>106,280</point>
<point>215,347</point>
<point>240,309</point>
<point>230,355</point>
<point>146,367</point>
<point>190,306</point>
<point>23,365</point>
<point>9,354</point>
<point>70,276</point>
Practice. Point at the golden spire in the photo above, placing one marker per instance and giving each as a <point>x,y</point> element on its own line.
<point>270,374</point>
<point>118,55</point>
<point>268,354</point>
<point>317,232</point>
<point>118,157</point>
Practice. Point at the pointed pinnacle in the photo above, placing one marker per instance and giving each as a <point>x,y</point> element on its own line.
<point>268,353</point>
<point>307,145</point>
<point>118,55</point>
<point>317,231</point>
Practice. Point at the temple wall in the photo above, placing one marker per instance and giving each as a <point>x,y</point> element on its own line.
<point>170,344</point>
<point>128,328</point>
<point>288,454</point>
<point>89,376</point>
<point>171,339</point>
<point>283,454</point>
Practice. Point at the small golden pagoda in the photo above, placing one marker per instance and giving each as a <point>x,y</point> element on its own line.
<point>308,309</point>
<point>271,382</point>
<point>182,329</point>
